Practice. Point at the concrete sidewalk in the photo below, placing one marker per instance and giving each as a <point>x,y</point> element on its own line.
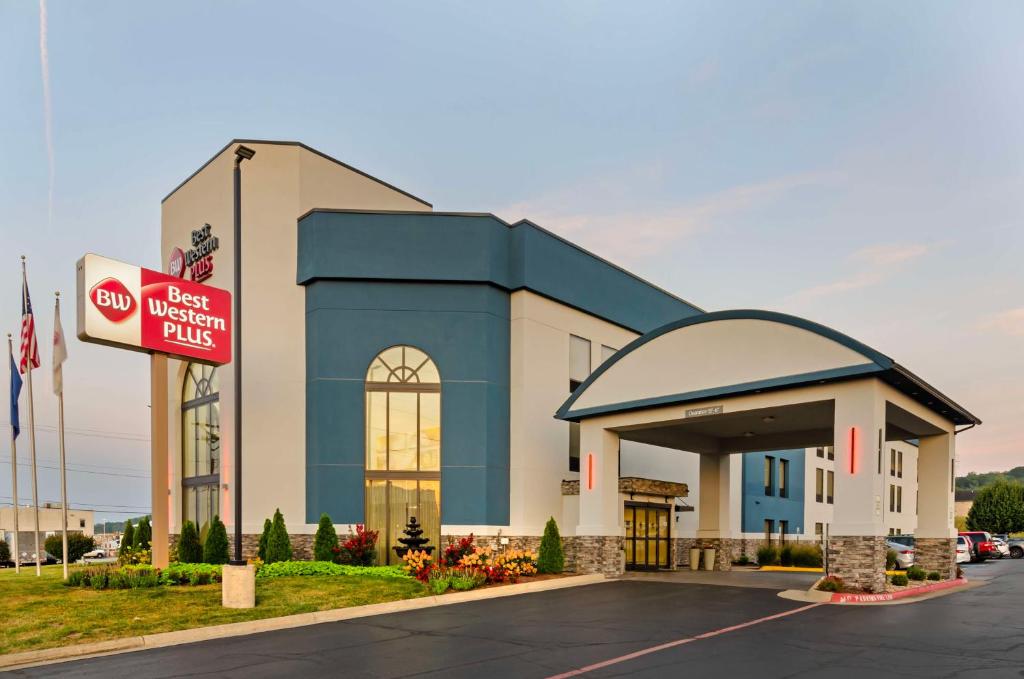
<point>751,578</point>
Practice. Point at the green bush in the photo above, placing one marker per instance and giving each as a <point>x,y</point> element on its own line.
<point>143,535</point>
<point>127,538</point>
<point>216,548</point>
<point>78,544</point>
<point>916,573</point>
<point>189,549</point>
<point>891,559</point>
<point>767,555</point>
<point>551,558</point>
<point>280,569</point>
<point>262,551</point>
<point>279,547</point>
<point>112,577</point>
<point>100,580</point>
<point>136,577</point>
<point>832,583</point>
<point>899,580</point>
<point>807,556</point>
<point>5,552</point>
<point>184,573</point>
<point>439,581</point>
<point>326,540</point>
<point>466,580</point>
<point>786,555</point>
<point>934,575</point>
<point>743,560</point>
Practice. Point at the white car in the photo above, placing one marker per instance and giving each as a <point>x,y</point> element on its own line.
<point>963,549</point>
<point>94,554</point>
<point>1002,549</point>
<point>904,552</point>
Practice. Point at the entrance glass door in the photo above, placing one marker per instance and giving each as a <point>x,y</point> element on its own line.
<point>647,536</point>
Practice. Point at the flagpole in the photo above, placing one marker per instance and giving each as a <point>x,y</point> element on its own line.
<point>32,437</point>
<point>60,439</point>
<point>14,466</point>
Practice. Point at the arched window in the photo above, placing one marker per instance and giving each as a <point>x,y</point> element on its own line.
<point>403,446</point>
<point>200,445</point>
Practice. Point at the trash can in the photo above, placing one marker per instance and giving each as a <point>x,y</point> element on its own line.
<point>694,558</point>
<point>709,559</point>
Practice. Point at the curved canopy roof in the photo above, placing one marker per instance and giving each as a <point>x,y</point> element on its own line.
<point>729,353</point>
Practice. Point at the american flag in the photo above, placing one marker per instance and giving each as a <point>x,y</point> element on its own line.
<point>29,346</point>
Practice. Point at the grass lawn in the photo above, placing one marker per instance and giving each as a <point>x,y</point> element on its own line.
<point>43,613</point>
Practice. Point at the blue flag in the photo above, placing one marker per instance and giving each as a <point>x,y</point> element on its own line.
<point>15,391</point>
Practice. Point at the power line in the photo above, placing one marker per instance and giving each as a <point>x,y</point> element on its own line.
<point>79,471</point>
<point>88,464</point>
<point>95,433</point>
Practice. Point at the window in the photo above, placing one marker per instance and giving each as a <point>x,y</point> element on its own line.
<point>200,445</point>
<point>899,464</point>
<point>81,524</point>
<point>831,487</point>
<point>821,452</point>
<point>892,498</point>
<point>769,474</point>
<point>769,529</point>
<point>783,478</point>
<point>899,499</point>
<point>892,531</point>
<point>403,446</point>
<point>830,451</point>
<point>783,531</point>
<point>579,371</point>
<point>819,485</point>
<point>607,352</point>
<point>819,528</point>
<point>892,462</point>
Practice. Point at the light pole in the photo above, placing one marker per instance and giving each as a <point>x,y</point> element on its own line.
<point>241,153</point>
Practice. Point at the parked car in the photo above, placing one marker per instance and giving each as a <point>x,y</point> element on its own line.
<point>982,546</point>
<point>904,552</point>
<point>963,549</point>
<point>30,558</point>
<point>1002,549</point>
<point>1016,548</point>
<point>94,554</point>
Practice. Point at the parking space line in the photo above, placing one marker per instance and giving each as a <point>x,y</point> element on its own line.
<point>679,642</point>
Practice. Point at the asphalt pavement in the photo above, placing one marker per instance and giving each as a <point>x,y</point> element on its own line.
<point>635,628</point>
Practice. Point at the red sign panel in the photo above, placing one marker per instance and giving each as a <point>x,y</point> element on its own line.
<point>144,310</point>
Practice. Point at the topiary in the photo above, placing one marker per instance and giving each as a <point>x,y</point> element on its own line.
<point>551,558</point>
<point>899,580</point>
<point>262,551</point>
<point>279,547</point>
<point>143,535</point>
<point>216,548</point>
<point>326,540</point>
<point>127,538</point>
<point>189,548</point>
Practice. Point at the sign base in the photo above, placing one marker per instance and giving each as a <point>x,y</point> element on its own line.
<point>238,586</point>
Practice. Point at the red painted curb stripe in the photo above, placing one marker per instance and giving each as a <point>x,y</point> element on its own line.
<point>678,642</point>
<point>838,598</point>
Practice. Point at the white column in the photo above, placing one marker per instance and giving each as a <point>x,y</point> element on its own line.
<point>935,459</point>
<point>599,481</point>
<point>859,487</point>
<point>717,515</point>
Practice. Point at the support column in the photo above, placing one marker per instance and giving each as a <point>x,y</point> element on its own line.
<point>599,535</point>
<point>158,456</point>
<point>718,520</point>
<point>856,545</point>
<point>935,536</point>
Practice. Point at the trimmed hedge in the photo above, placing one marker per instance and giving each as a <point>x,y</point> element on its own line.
<point>326,540</point>
<point>190,574</point>
<point>215,550</point>
<point>189,549</point>
<point>280,569</point>
<point>551,558</point>
<point>899,580</point>
<point>916,573</point>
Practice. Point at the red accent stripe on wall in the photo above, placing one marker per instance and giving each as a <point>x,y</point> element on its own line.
<point>853,450</point>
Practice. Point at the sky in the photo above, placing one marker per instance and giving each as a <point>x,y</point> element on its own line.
<point>858,164</point>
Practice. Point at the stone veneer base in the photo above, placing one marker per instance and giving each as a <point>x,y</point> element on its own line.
<point>859,560</point>
<point>936,554</point>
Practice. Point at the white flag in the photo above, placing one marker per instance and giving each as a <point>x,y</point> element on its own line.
<point>60,351</point>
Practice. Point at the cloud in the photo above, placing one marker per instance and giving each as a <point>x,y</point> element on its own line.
<point>44,60</point>
<point>1010,322</point>
<point>632,234</point>
<point>874,264</point>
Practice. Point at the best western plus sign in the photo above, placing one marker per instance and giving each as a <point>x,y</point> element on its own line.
<point>146,310</point>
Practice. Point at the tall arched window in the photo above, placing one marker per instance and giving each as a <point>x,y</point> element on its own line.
<point>200,445</point>
<point>403,446</point>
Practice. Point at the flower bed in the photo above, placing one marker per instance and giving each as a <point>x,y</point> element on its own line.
<point>464,566</point>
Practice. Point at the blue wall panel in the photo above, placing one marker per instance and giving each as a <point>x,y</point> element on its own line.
<point>757,506</point>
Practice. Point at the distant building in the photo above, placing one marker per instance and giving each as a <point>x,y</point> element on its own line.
<point>963,500</point>
<point>50,517</point>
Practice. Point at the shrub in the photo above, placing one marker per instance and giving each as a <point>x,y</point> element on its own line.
<point>143,535</point>
<point>261,552</point>
<point>832,583</point>
<point>326,541</point>
<point>189,549</point>
<point>78,544</point>
<point>439,581</point>
<point>786,555</point>
<point>185,573</point>
<point>326,568</point>
<point>742,561</point>
<point>5,552</point>
<point>807,556</point>
<point>127,538</point>
<point>899,580</point>
<point>100,580</point>
<point>417,564</point>
<point>767,555</point>
<point>467,578</point>
<point>934,575</point>
<point>890,559</point>
<point>916,573</point>
<point>552,558</point>
<point>136,577</point>
<point>279,547</point>
<point>454,552</point>
<point>134,557</point>
<point>216,548</point>
<point>358,550</point>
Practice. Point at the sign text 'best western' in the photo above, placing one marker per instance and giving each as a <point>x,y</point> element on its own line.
<point>134,308</point>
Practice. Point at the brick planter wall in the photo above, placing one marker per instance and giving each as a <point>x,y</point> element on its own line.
<point>598,554</point>
<point>936,554</point>
<point>681,551</point>
<point>726,549</point>
<point>859,560</point>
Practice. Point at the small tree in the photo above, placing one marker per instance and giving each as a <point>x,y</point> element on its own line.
<point>127,538</point>
<point>326,540</point>
<point>5,552</point>
<point>189,548</point>
<point>998,508</point>
<point>279,547</point>
<point>551,558</point>
<point>143,535</point>
<point>262,551</point>
<point>216,548</point>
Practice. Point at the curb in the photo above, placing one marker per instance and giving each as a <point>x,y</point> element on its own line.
<point>235,629</point>
<point>790,569</point>
<point>838,598</point>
